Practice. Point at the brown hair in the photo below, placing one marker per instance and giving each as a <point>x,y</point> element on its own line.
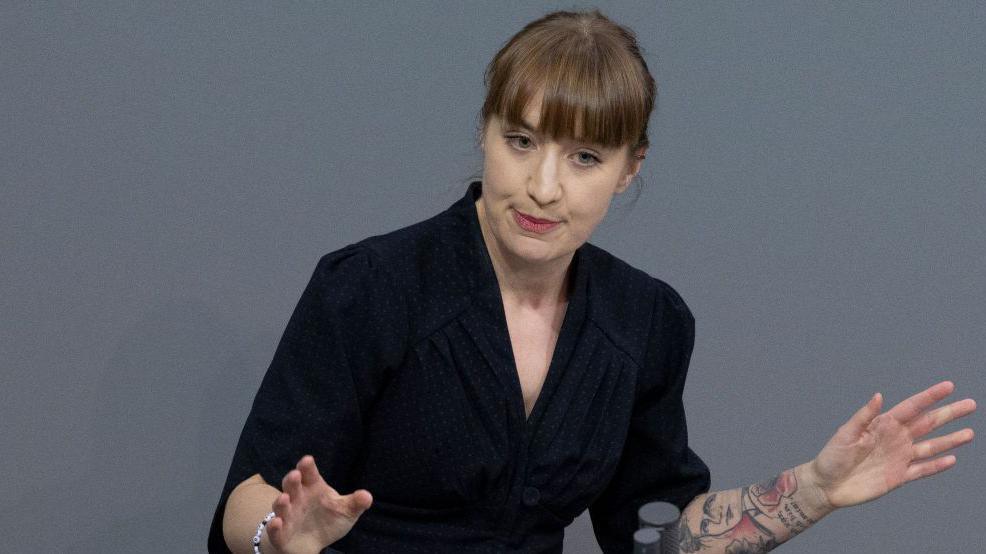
<point>594,78</point>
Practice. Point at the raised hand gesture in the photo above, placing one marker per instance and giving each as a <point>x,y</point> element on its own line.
<point>310,514</point>
<point>874,453</point>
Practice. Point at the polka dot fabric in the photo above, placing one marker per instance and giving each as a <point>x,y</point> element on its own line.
<point>396,372</point>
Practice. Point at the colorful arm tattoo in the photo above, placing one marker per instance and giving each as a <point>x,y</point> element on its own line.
<point>749,520</point>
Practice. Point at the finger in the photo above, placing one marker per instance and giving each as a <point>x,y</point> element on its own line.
<point>862,418</point>
<point>309,472</point>
<point>291,483</point>
<point>936,418</point>
<point>937,445</point>
<point>358,502</point>
<point>928,468</point>
<point>282,506</point>
<point>915,405</point>
<point>274,529</point>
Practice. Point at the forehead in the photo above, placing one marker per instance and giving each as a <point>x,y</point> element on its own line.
<point>566,117</point>
<point>531,118</point>
<point>531,121</point>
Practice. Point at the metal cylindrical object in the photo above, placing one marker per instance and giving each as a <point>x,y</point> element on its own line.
<point>647,541</point>
<point>664,517</point>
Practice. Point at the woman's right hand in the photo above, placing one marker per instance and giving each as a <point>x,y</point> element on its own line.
<point>310,514</point>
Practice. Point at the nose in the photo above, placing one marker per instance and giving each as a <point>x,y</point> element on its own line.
<point>543,186</point>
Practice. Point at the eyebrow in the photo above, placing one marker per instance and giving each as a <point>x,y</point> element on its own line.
<point>528,126</point>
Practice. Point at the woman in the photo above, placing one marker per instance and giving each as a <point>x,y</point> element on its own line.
<point>475,381</point>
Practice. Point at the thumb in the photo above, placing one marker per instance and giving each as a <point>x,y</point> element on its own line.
<point>358,502</point>
<point>862,418</point>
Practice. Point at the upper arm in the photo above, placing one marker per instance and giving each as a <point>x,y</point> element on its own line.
<point>347,332</point>
<point>657,463</point>
<point>345,336</point>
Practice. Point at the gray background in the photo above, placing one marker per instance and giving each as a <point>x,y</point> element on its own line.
<point>171,173</point>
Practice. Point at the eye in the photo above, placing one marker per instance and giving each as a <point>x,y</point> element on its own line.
<point>517,138</point>
<point>592,159</point>
<point>523,142</point>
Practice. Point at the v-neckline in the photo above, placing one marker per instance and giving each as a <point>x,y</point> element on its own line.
<point>489,292</point>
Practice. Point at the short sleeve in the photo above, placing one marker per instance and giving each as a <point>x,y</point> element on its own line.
<point>348,329</point>
<point>656,464</point>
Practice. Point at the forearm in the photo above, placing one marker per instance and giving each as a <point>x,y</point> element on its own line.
<point>248,503</point>
<point>755,518</point>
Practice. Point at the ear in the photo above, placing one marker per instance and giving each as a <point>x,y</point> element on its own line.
<point>483,129</point>
<point>636,160</point>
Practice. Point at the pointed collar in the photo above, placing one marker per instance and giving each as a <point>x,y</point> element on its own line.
<point>480,267</point>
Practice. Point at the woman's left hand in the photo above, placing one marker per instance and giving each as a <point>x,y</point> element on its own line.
<point>873,453</point>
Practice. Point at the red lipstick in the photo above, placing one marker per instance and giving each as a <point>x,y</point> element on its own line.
<point>534,224</point>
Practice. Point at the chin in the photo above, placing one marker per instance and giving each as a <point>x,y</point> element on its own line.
<point>532,249</point>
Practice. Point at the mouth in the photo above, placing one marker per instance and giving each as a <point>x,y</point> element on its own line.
<point>534,224</point>
<point>536,219</point>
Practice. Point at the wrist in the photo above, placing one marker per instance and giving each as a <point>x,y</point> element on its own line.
<point>815,498</point>
<point>266,547</point>
<point>261,540</point>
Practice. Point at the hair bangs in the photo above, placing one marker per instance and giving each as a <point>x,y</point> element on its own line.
<point>589,91</point>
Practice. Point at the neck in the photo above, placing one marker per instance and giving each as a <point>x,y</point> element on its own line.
<point>530,283</point>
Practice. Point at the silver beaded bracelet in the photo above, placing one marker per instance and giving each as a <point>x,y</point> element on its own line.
<point>260,530</point>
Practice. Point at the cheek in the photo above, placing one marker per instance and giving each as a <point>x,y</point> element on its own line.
<point>588,213</point>
<point>499,159</point>
<point>592,209</point>
<point>495,178</point>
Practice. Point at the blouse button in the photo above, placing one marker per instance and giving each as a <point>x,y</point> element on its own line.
<point>531,496</point>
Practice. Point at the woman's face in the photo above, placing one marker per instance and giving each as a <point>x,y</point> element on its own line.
<point>567,182</point>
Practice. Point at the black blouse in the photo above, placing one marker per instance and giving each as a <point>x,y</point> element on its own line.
<point>397,374</point>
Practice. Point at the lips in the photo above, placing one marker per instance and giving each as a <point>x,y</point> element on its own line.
<point>535,219</point>
<point>533,224</point>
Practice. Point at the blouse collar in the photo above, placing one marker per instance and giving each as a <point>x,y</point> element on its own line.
<point>482,274</point>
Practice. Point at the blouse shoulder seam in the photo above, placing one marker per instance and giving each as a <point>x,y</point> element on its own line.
<point>426,334</point>
<point>410,341</point>
<point>609,338</point>
<point>674,296</point>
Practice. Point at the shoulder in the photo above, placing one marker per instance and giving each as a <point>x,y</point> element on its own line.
<point>633,307</point>
<point>428,267</point>
<point>353,283</point>
<point>401,254</point>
